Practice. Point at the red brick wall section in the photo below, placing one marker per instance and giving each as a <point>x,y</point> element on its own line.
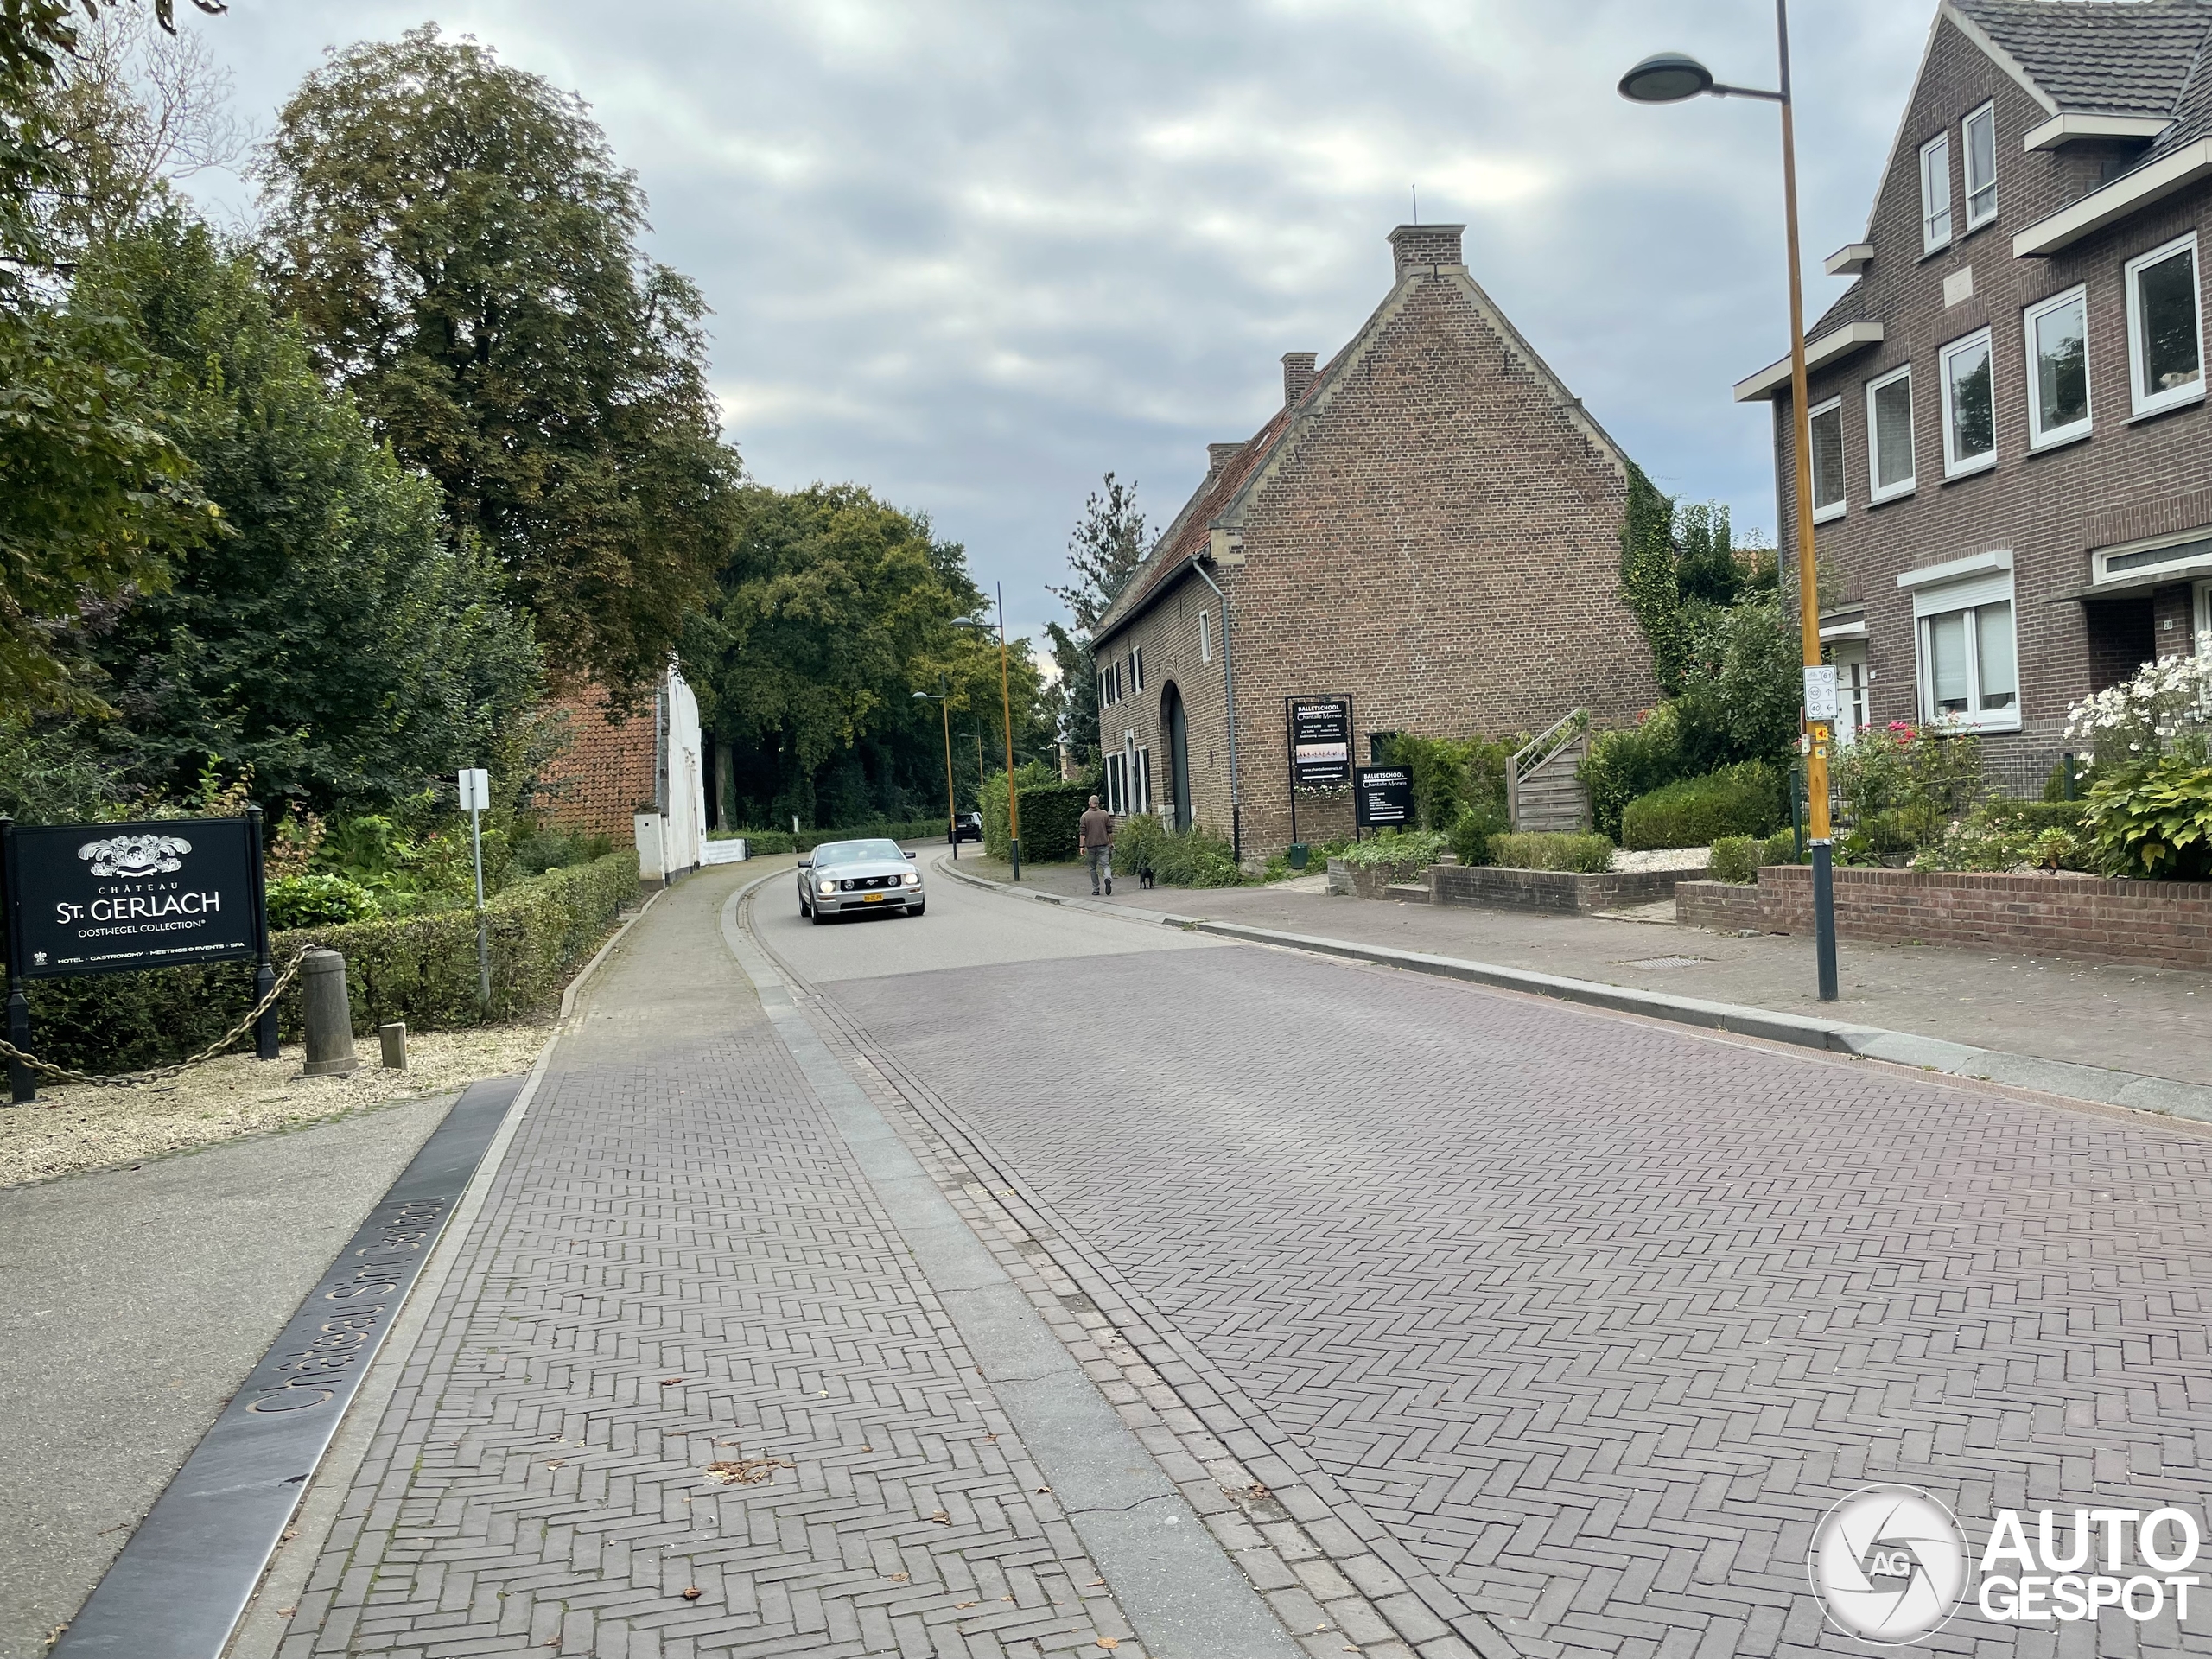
<point>605,773</point>
<point>2161,924</point>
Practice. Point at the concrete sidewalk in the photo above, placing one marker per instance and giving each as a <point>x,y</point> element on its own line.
<point>2149,1021</point>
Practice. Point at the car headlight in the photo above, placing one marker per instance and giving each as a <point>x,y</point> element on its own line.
<point>914,878</point>
<point>829,889</point>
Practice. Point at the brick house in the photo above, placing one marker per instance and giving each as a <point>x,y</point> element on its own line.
<point>639,779</point>
<point>2013,489</point>
<point>1429,524</point>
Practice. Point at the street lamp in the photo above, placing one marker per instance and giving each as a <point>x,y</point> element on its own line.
<point>1006,701</point>
<point>943,697</point>
<point>1668,77</point>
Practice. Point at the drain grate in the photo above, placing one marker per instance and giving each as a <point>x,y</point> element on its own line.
<point>1664,961</point>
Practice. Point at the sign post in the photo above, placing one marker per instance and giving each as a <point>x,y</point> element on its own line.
<point>475,797</point>
<point>114,898</point>
<point>1383,797</point>
<point>1320,746</point>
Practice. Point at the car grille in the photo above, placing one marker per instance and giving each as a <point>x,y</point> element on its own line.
<point>864,883</point>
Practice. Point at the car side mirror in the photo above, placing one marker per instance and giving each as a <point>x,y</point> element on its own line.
<point>806,863</point>
<point>910,857</point>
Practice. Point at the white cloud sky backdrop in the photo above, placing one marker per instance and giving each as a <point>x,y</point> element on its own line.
<point>974,253</point>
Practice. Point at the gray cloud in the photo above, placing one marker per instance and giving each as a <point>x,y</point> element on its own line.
<point>975,252</point>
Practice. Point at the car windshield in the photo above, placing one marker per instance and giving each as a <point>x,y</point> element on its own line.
<point>857,852</point>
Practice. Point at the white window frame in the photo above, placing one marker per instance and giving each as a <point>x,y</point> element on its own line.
<point>1834,509</point>
<point>1206,636</point>
<point>1964,585</point>
<point>2157,402</point>
<point>1953,466</point>
<point>1876,490</point>
<point>1113,783</point>
<point>1854,702</point>
<point>1144,777</point>
<point>1136,668</point>
<point>2201,615</point>
<point>1930,211</point>
<point>2039,437</point>
<point>1975,221</point>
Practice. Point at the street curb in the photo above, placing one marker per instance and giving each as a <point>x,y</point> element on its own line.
<point>2099,1085</point>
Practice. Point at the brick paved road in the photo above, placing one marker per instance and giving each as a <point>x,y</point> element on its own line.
<point>679,1264</point>
<point>1598,1317</point>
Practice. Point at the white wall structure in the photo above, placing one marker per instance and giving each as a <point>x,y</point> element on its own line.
<point>672,841</point>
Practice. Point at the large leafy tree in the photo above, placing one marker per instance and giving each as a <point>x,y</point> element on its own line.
<point>1108,544</point>
<point>831,612</point>
<point>463,251</point>
<point>335,640</point>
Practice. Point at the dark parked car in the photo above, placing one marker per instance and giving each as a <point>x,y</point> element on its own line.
<point>969,826</point>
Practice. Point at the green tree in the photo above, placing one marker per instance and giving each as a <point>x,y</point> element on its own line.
<point>831,612</point>
<point>463,251</point>
<point>336,641</point>
<point>1650,581</point>
<point>1108,545</point>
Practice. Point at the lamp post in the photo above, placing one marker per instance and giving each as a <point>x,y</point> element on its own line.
<point>1668,77</point>
<point>1006,702</point>
<point>943,697</point>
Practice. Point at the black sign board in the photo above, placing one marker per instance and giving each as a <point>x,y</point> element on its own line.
<point>1320,743</point>
<point>1384,796</point>
<point>104,898</point>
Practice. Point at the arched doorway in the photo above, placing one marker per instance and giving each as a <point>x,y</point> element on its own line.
<point>1173,722</point>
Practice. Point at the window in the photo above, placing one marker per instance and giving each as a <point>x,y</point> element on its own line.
<point>1144,780</point>
<point>2165,333</point>
<point>1969,674</point>
<point>1114,783</point>
<point>1970,414</point>
<point>1853,691</point>
<point>1136,668</point>
<point>1828,461</point>
<point>2058,370</point>
<point>1206,636</point>
<point>1978,144</point>
<point>1935,194</point>
<point>1889,435</point>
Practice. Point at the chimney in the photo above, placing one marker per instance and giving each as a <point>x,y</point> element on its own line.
<point>1424,248</point>
<point>1297,375</point>
<point>1219,455</point>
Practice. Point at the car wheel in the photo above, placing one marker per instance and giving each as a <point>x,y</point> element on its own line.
<point>814,914</point>
<point>915,908</point>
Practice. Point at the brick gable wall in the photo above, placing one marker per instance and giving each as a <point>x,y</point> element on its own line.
<point>2130,478</point>
<point>605,773</point>
<point>1440,541</point>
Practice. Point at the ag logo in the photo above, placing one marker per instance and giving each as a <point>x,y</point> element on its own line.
<point>1888,1564</point>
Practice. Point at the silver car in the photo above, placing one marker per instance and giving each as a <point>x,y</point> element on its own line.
<point>851,875</point>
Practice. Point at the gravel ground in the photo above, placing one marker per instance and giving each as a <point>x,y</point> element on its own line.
<point>79,1127</point>
<point>1665,858</point>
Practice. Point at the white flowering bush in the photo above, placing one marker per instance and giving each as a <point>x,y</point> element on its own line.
<point>2166,708</point>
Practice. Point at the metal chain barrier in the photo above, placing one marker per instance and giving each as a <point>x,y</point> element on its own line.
<point>135,1079</point>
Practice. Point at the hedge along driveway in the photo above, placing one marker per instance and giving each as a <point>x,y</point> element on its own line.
<point>418,969</point>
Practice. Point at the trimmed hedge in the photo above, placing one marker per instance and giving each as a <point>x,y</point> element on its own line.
<point>1746,799</point>
<point>419,969</point>
<point>1736,858</point>
<point>1582,854</point>
<point>1051,815</point>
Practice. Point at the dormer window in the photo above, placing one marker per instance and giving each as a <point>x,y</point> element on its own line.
<point>1935,194</point>
<point>1978,139</point>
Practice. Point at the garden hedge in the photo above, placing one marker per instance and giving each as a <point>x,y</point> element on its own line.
<point>418,969</point>
<point>1582,854</point>
<point>1746,799</point>
<point>1051,815</point>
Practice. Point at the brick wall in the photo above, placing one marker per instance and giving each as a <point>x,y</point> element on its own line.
<point>1438,538</point>
<point>2129,479</point>
<point>607,770</point>
<point>2163,924</point>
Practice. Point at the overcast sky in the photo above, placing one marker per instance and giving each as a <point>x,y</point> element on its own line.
<point>974,253</point>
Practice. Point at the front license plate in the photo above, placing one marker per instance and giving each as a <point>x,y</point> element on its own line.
<point>873,899</point>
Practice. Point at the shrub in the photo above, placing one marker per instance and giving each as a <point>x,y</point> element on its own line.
<point>1737,858</point>
<point>1781,847</point>
<point>1740,800</point>
<point>1033,778</point>
<point>1478,826</point>
<point>314,901</point>
<point>2155,823</point>
<point>1629,762</point>
<point>2166,708</point>
<point>1585,855</point>
<point>1404,852</point>
<point>1901,787</point>
<point>1143,845</point>
<point>1051,819</point>
<point>420,969</point>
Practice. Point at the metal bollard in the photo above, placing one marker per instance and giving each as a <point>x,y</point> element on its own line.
<point>393,1036</point>
<point>329,1016</point>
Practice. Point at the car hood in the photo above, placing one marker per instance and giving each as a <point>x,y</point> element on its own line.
<point>864,867</point>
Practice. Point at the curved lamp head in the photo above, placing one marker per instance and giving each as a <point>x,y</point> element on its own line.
<point>1666,78</point>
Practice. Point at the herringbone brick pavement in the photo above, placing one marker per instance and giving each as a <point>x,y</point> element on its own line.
<point>1598,1316</point>
<point>679,1267</point>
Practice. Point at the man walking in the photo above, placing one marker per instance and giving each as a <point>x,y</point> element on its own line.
<point>1098,845</point>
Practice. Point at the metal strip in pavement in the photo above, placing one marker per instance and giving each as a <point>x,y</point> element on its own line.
<point>2069,1079</point>
<point>1187,1599</point>
<point>180,1585</point>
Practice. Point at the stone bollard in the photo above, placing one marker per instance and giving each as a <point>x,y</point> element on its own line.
<point>393,1036</point>
<point>329,1016</point>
